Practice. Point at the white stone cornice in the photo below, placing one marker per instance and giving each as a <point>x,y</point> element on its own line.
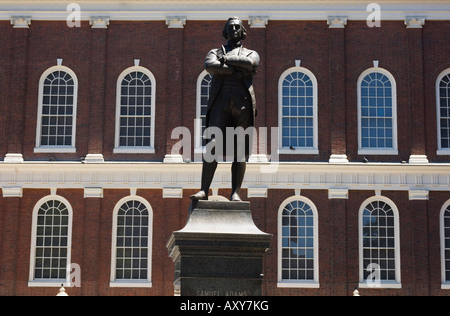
<point>176,22</point>
<point>414,22</point>
<point>152,10</point>
<point>296,176</point>
<point>337,22</point>
<point>258,21</point>
<point>21,22</point>
<point>99,22</point>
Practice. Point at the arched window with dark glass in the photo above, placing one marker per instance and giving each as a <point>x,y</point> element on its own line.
<point>57,109</point>
<point>443,112</point>
<point>132,243</point>
<point>445,245</point>
<point>135,115</point>
<point>298,243</point>
<point>379,243</point>
<point>377,113</point>
<point>203,90</point>
<point>298,112</point>
<point>51,242</point>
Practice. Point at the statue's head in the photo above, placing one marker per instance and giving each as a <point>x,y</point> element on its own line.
<point>234,30</point>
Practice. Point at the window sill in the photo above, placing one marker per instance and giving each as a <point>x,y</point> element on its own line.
<point>298,151</point>
<point>298,284</point>
<point>377,152</point>
<point>55,149</point>
<point>131,283</point>
<point>380,285</point>
<point>49,283</point>
<point>134,150</point>
<point>445,286</point>
<point>443,152</point>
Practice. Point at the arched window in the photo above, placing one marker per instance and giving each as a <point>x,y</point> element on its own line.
<point>379,243</point>
<point>298,244</point>
<point>443,112</point>
<point>51,242</point>
<point>297,90</point>
<point>132,243</point>
<point>203,89</point>
<point>57,108</point>
<point>377,113</point>
<point>135,112</point>
<point>445,245</point>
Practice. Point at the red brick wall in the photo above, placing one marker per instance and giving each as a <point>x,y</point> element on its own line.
<point>99,56</point>
<point>175,57</point>
<point>338,241</point>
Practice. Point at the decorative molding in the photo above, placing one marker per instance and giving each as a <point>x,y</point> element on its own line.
<point>12,192</point>
<point>414,22</point>
<point>175,177</point>
<point>338,159</point>
<point>21,22</point>
<point>337,22</point>
<point>13,158</point>
<point>258,158</point>
<point>418,194</point>
<point>168,158</point>
<point>338,194</point>
<point>99,22</point>
<point>209,10</point>
<point>257,192</point>
<point>176,22</point>
<point>94,158</point>
<point>418,159</point>
<point>93,193</point>
<point>172,193</point>
<point>258,21</point>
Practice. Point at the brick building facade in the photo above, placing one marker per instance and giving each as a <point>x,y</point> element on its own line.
<point>355,187</point>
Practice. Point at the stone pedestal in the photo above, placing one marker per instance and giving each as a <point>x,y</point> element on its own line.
<point>219,252</point>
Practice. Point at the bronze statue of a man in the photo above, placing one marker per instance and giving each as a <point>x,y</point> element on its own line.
<point>231,102</point>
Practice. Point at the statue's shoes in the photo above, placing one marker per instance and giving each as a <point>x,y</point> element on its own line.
<point>201,195</point>
<point>235,198</point>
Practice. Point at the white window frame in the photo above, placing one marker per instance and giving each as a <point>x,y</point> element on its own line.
<point>50,283</point>
<point>440,150</point>
<point>298,150</point>
<point>129,149</point>
<point>445,283</point>
<point>55,148</point>
<point>198,133</point>
<point>131,283</point>
<point>379,151</point>
<point>382,284</point>
<point>298,283</point>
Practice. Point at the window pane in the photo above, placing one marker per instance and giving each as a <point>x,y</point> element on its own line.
<point>51,241</point>
<point>132,238</point>
<point>298,241</point>
<point>378,239</point>
<point>376,111</point>
<point>444,104</point>
<point>297,110</point>
<point>135,110</point>
<point>446,250</point>
<point>56,120</point>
